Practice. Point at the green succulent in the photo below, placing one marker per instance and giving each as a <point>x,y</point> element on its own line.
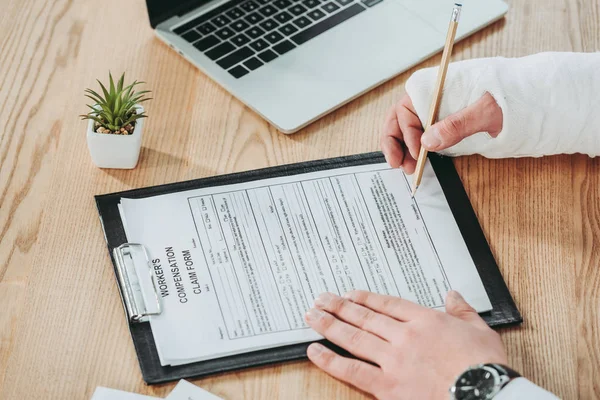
<point>116,109</point>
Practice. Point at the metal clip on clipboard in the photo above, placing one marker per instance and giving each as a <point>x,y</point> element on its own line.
<point>135,299</point>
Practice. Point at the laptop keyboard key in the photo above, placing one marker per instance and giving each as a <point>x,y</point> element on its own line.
<point>311,3</point>
<point>262,2</point>
<point>201,19</point>
<point>269,25</point>
<point>327,24</point>
<point>281,4</point>
<point>254,32</point>
<point>240,40</point>
<point>273,37</point>
<point>236,57</point>
<point>207,43</point>
<point>283,17</point>
<point>288,29</point>
<point>371,3</point>
<point>316,14</point>
<point>331,7</point>
<point>191,36</point>
<point>254,18</point>
<point>268,10</point>
<point>259,45</point>
<point>235,13</point>
<point>267,56</point>
<point>302,22</point>
<point>220,21</point>
<point>284,47</point>
<point>219,51</point>
<point>253,63</point>
<point>344,2</point>
<point>186,27</point>
<point>207,28</point>
<point>238,71</point>
<point>297,9</point>
<point>249,6</point>
<point>240,25</point>
<point>225,33</point>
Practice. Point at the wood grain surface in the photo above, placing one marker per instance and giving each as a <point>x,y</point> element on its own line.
<point>62,328</point>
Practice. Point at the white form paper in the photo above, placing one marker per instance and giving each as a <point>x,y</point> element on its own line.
<point>237,266</point>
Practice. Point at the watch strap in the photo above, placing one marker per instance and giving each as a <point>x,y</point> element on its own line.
<point>504,370</point>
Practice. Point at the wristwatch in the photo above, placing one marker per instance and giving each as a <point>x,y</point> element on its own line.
<point>482,382</point>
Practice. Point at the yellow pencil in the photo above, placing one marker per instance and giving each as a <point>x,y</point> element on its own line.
<point>437,94</point>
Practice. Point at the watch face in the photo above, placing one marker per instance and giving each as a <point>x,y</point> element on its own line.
<point>477,384</point>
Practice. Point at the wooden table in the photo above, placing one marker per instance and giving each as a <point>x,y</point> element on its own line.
<point>62,327</point>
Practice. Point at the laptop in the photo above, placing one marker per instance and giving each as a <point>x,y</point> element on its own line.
<point>293,61</point>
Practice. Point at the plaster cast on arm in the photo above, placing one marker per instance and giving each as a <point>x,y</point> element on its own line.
<point>550,102</point>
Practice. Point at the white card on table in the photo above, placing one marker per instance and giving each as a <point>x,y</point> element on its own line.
<point>188,391</point>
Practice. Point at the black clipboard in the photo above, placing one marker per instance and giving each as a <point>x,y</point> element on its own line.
<point>504,309</point>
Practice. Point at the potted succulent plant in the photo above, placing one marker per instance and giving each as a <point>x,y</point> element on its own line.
<point>114,133</point>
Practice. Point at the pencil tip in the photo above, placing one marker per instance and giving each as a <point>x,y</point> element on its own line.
<point>414,190</point>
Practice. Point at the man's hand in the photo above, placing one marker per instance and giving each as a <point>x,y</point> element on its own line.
<point>403,133</point>
<point>415,352</point>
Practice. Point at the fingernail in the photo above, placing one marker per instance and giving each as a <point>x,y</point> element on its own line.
<point>431,138</point>
<point>314,314</point>
<point>347,295</point>
<point>323,300</point>
<point>455,295</point>
<point>314,350</point>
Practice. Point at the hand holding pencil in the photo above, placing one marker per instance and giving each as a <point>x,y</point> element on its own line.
<point>437,94</point>
<point>403,138</point>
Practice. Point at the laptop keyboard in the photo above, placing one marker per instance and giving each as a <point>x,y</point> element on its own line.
<point>242,36</point>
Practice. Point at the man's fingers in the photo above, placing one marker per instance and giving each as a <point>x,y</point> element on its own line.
<point>401,138</point>
<point>358,342</point>
<point>395,307</point>
<point>391,140</point>
<point>482,116</point>
<point>357,373</point>
<point>393,151</point>
<point>459,308</point>
<point>411,128</point>
<point>410,164</point>
<point>362,317</point>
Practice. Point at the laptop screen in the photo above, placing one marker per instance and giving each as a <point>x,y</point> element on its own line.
<point>162,10</point>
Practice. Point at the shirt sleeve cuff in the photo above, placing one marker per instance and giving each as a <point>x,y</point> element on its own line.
<point>521,388</point>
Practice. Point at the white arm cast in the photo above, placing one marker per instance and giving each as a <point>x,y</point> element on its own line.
<point>522,389</point>
<point>550,102</point>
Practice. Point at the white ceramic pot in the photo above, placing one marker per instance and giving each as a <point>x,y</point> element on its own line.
<point>116,151</point>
